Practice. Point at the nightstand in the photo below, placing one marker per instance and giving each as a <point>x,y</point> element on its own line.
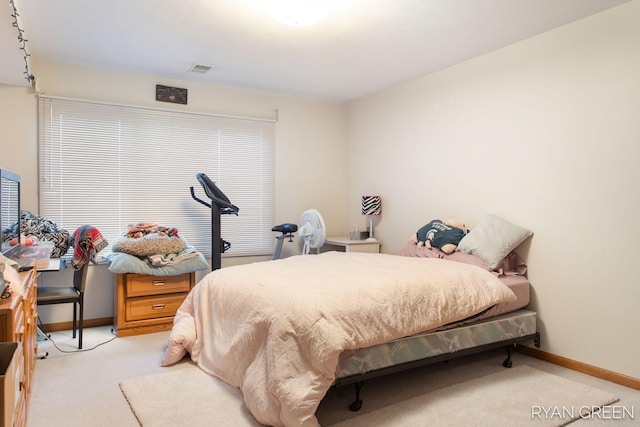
<point>344,244</point>
<point>146,303</point>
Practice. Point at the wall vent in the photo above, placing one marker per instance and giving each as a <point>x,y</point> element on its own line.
<point>200,68</point>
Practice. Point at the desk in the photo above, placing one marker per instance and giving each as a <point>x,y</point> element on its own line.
<point>55,264</point>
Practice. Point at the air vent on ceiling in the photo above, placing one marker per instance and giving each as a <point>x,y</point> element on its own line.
<point>200,68</point>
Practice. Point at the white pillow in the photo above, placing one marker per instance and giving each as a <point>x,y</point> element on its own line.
<point>493,239</point>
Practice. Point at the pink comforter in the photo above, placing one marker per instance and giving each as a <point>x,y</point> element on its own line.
<point>277,329</point>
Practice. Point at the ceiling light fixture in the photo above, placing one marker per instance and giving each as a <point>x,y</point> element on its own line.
<point>299,13</point>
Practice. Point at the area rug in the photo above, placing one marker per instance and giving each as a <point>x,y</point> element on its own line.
<point>512,397</point>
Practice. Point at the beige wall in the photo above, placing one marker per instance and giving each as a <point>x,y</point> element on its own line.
<point>310,149</point>
<point>545,134</point>
<point>18,134</point>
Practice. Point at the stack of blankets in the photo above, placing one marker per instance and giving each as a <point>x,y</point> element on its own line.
<point>157,246</point>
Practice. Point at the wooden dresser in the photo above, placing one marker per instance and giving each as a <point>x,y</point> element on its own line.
<point>18,318</point>
<point>145,303</point>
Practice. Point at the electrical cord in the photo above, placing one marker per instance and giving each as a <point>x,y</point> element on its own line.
<point>80,350</point>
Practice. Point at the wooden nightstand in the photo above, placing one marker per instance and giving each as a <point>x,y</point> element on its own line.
<point>146,303</point>
<point>346,245</point>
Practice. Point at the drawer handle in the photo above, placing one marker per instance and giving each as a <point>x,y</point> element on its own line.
<point>158,306</point>
<point>159,283</point>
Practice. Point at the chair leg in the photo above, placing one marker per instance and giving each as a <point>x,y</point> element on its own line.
<point>81,303</point>
<point>73,335</point>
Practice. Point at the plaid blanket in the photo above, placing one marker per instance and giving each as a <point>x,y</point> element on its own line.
<point>87,243</point>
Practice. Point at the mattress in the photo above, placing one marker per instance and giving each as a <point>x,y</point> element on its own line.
<point>521,288</point>
<point>503,327</point>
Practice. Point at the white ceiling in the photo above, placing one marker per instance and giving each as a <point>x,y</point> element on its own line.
<point>362,46</point>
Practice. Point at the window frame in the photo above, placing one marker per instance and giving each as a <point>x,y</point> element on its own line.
<point>93,145</point>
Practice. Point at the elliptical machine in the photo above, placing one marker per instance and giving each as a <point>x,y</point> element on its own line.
<point>220,205</point>
<point>287,231</point>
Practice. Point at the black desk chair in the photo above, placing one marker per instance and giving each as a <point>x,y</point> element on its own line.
<point>68,294</point>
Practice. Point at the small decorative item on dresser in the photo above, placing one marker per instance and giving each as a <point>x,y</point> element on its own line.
<point>171,94</point>
<point>6,293</point>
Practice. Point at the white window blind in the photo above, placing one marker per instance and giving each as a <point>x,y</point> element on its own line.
<point>111,165</point>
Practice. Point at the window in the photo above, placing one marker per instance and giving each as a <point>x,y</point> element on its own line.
<point>112,165</point>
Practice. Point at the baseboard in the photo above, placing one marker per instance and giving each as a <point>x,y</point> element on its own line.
<point>66,326</point>
<point>585,368</point>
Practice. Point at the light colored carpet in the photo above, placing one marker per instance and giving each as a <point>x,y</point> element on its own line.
<point>81,388</point>
<point>518,396</point>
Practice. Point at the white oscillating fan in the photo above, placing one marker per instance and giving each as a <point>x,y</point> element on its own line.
<point>312,230</point>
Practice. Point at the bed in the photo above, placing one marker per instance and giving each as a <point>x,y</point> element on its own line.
<point>286,331</point>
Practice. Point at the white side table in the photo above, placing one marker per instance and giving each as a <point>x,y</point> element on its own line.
<point>346,245</point>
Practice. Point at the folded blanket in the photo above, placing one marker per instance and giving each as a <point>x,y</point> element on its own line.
<point>149,244</point>
<point>120,262</point>
<point>88,241</point>
<point>158,260</point>
<point>143,228</point>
